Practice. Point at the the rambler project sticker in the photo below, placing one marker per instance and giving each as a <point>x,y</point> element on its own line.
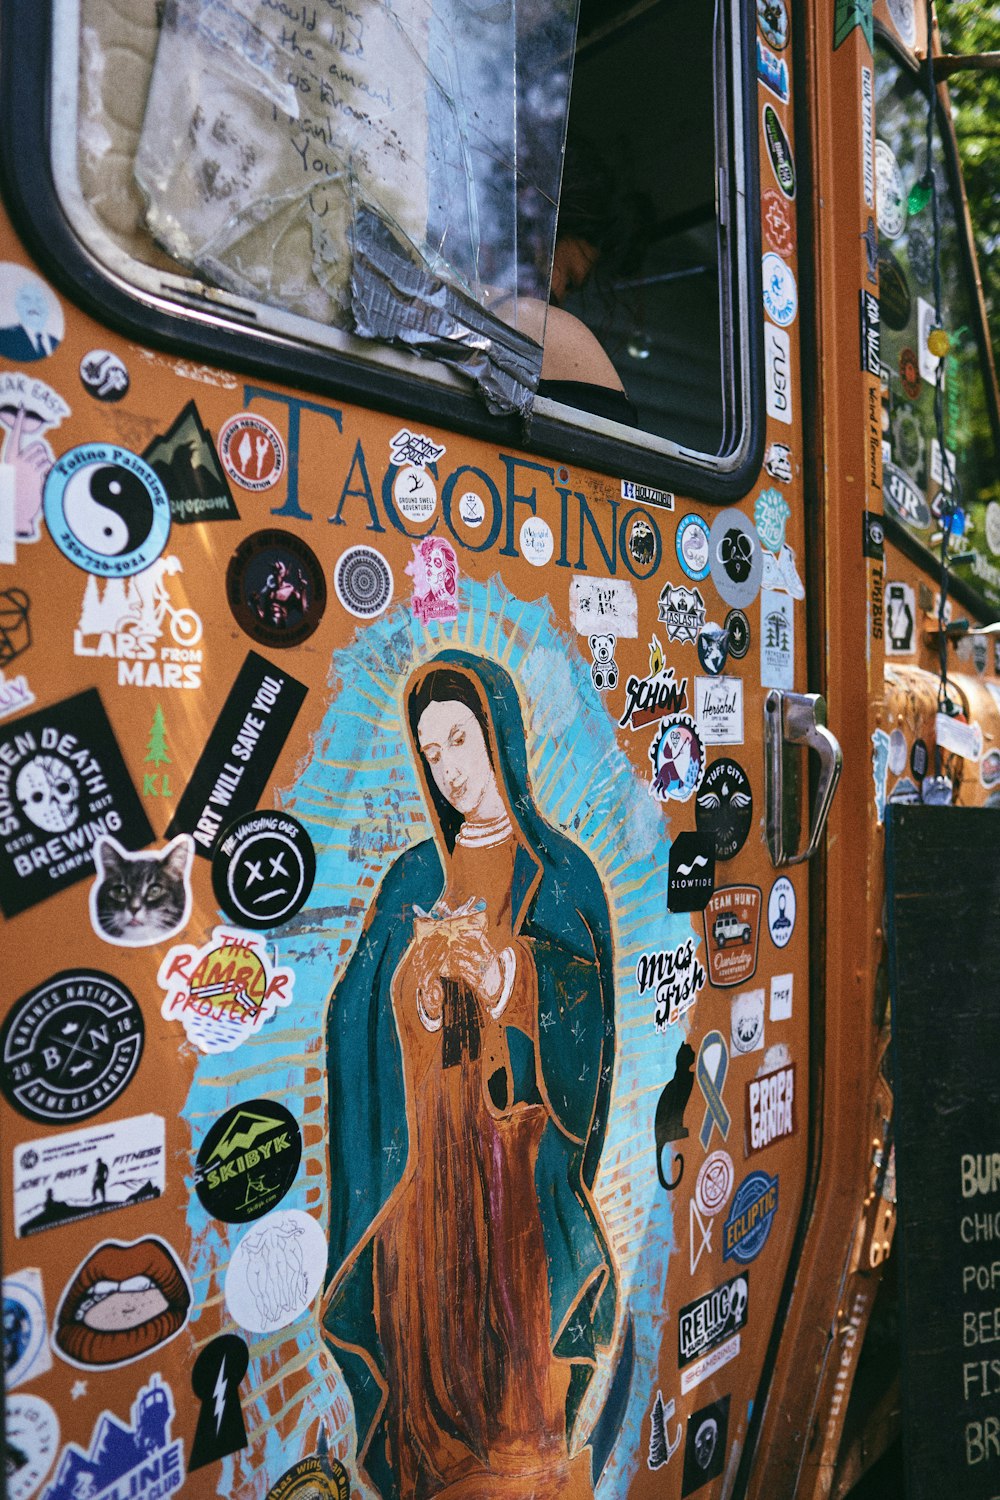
<point>243,747</point>
<point>223,991</point>
<point>749,1221</point>
<point>276,1271</point>
<point>732,927</point>
<point>80,1173</point>
<point>650,699</point>
<point>770,1108</point>
<point>63,783</point>
<point>25,1328</point>
<point>137,1458</point>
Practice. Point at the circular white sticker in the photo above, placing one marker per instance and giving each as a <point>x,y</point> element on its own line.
<point>781,911</point>
<point>993,527</point>
<point>715,1182</point>
<point>471,509</point>
<point>781,298</point>
<point>897,752</point>
<point>890,194</point>
<point>276,1271</point>
<point>536,541</point>
<point>32,1433</point>
<point>415,494</point>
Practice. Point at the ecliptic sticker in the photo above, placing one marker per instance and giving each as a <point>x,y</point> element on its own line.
<point>120,1452</point>
<point>363,581</point>
<point>749,1222</point>
<point>224,991</point>
<point>248,1161</point>
<point>122,1302</point>
<point>69,1047</point>
<point>106,510</point>
<point>264,869</point>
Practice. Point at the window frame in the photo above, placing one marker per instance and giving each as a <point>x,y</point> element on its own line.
<point>181,316</point>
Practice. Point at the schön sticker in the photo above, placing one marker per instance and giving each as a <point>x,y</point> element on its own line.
<point>106,510</point>
<point>263,870</point>
<point>276,589</point>
<point>248,1161</point>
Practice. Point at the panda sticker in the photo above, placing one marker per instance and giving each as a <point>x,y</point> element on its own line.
<point>106,510</point>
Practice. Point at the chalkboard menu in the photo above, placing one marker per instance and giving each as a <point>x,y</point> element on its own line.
<point>943,873</point>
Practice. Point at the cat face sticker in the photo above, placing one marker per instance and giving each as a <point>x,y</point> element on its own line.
<point>122,1302</point>
<point>141,899</point>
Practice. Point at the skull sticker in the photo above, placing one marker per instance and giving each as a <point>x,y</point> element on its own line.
<point>48,791</point>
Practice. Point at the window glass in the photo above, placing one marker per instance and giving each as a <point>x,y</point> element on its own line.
<point>914,475</point>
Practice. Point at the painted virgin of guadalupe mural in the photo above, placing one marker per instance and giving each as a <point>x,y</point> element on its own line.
<point>470,1049</point>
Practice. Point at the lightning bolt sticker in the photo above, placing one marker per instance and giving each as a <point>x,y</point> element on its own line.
<point>215,1380</point>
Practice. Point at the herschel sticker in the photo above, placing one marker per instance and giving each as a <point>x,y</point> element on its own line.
<point>724,807</point>
<point>691,874</point>
<point>748,1224</point>
<point>248,1161</point>
<point>137,1458</point>
<point>223,991</point>
<point>70,1046</point>
<point>106,510</point>
<point>31,1442</point>
<point>63,783</point>
<point>650,699</point>
<point>264,869</point>
<point>252,451</point>
<point>719,709</point>
<point>276,1271</point>
<point>276,589</point>
<point>678,757</point>
<point>363,581</point>
<point>79,1174</point>
<point>243,747</point>
<point>121,1303</point>
<point>184,458</point>
<point>692,546</point>
<point>25,1329</point>
<point>732,926</point>
<point>770,1108</point>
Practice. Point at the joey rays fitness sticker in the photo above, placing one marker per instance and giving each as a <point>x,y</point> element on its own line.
<point>106,509</point>
<point>248,1160</point>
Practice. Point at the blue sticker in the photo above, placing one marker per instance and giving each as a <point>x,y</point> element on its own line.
<point>781,298</point>
<point>138,1459</point>
<point>749,1223</point>
<point>106,510</point>
<point>770,513</point>
<point>692,546</point>
<point>880,766</point>
<point>25,1329</point>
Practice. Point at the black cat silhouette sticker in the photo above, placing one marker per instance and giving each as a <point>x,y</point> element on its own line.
<point>668,1124</point>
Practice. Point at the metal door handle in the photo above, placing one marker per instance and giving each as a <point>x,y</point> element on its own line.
<point>797,719</point>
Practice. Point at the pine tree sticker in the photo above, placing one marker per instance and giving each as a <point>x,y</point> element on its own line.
<point>156,750</point>
<point>658,1454</point>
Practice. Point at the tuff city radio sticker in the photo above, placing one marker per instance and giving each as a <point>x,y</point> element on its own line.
<point>243,747</point>
<point>70,1046</point>
<point>724,807</point>
<point>122,1302</point>
<point>77,1174</point>
<point>223,991</point>
<point>276,1271</point>
<point>748,1224</point>
<point>264,868</point>
<point>770,1108</point>
<point>63,783</point>
<point>248,1161</point>
<point>732,927</point>
<point>185,460</point>
<point>128,620</point>
<point>276,589</point>
<point>710,1325</point>
<point>136,1458</point>
<point>106,510</point>
<point>25,1329</point>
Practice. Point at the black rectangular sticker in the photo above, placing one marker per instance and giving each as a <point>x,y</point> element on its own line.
<point>241,752</point>
<point>870,330</point>
<point>63,783</point>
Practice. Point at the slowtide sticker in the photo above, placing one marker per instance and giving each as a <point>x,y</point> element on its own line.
<point>79,1174</point>
<point>276,1271</point>
<point>242,750</point>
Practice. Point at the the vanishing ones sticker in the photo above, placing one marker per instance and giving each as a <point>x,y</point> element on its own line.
<point>223,991</point>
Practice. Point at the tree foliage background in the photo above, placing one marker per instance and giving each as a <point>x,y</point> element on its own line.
<point>968,27</point>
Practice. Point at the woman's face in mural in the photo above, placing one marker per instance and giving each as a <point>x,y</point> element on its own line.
<point>454,748</point>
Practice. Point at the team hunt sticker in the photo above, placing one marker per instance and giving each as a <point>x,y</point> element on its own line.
<point>135,1459</point>
<point>106,510</point>
<point>69,1047</point>
<point>63,783</point>
<point>25,1329</point>
<point>80,1173</point>
<point>224,991</point>
<point>243,747</point>
<point>276,1271</point>
<point>264,869</point>
<point>732,926</point>
<point>276,589</point>
<point>248,1161</point>
<point>121,1303</point>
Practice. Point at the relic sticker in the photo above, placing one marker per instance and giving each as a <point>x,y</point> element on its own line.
<point>252,451</point>
<point>276,1271</point>
<point>363,581</point>
<point>678,757</point>
<point>70,1046</point>
<point>103,375</point>
<point>141,899</point>
<point>724,807</point>
<point>276,589</point>
<point>777,640</point>
<point>692,547</point>
<point>682,610</point>
<point>31,319</point>
<point>243,747</point>
<point>781,997</point>
<point>736,559</point>
<point>215,1379</point>
<point>691,876</point>
<point>604,604</point>
<point>770,1108</point>
<point>318,1477</point>
<point>31,1442</point>
<point>136,1458</point>
<point>29,411</point>
<point>779,150</point>
<point>127,620</point>
<point>225,990</point>
<point>650,699</point>
<point>264,869</point>
<point>719,709</point>
<point>900,616</point>
<point>81,1173</point>
<point>248,1161</point>
<point>186,462</point>
<point>434,571</point>
<point>705,1449</point>
<point>732,925</point>
<point>106,510</point>
<point>63,783</point>
<point>675,978</point>
<point>121,1303</point>
<point>748,1224</point>
<point>25,1329</point>
<point>781,911</point>
<point>781,297</point>
<point>747,1022</point>
<point>711,1321</point>
<point>770,514</point>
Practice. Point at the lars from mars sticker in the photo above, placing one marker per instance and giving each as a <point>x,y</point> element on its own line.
<point>225,990</point>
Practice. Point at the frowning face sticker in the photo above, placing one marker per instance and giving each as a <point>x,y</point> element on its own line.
<point>122,1302</point>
